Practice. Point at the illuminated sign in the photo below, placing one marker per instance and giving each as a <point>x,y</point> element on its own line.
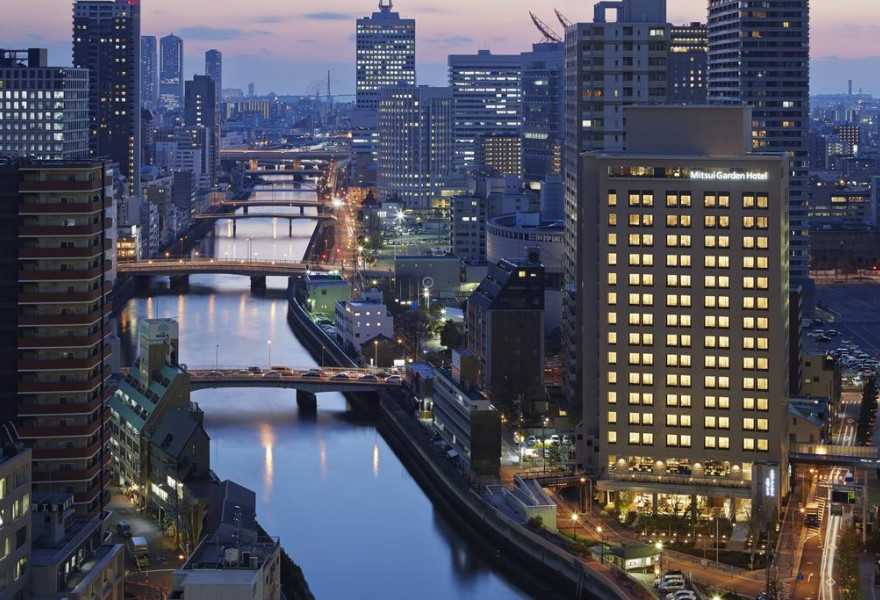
<point>723,175</point>
<point>770,485</point>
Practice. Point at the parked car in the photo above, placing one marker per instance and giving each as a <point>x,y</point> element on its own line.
<point>531,441</point>
<point>123,528</point>
<point>554,439</point>
<point>674,585</point>
<point>682,595</point>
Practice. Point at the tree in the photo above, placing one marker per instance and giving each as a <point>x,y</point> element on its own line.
<point>867,412</point>
<point>555,458</point>
<point>848,557</point>
<point>414,328</point>
<point>452,335</point>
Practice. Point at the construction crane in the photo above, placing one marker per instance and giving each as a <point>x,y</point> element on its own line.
<point>562,19</point>
<point>549,34</point>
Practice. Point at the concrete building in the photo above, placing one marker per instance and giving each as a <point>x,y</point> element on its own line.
<point>149,73</point>
<point>505,332</point>
<point>358,321</point>
<point>543,110</point>
<point>514,236</point>
<point>685,337</point>
<point>841,207</point>
<point>487,99</point>
<point>214,70</point>
<point>15,506</point>
<point>202,109</point>
<point>467,420</point>
<point>68,558</point>
<point>688,63</point>
<point>106,40</point>
<point>498,154</point>
<point>385,56</point>
<point>53,123</point>
<point>414,154</point>
<point>323,291</point>
<point>55,352</point>
<point>759,56</point>
<point>469,228</point>
<point>821,377</point>
<point>633,52</point>
<point>171,85</point>
<point>439,275</point>
<point>231,569</point>
<point>153,385</point>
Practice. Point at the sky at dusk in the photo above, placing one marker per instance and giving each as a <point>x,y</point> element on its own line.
<point>287,46</point>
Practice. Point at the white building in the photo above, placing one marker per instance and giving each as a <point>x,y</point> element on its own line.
<point>230,570</point>
<point>414,155</point>
<point>358,321</point>
<point>488,99</point>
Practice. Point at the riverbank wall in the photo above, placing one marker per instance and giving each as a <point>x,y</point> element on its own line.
<point>451,494</point>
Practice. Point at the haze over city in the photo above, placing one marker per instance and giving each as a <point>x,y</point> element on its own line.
<point>288,46</point>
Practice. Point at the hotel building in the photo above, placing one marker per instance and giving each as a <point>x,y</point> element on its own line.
<point>684,295</point>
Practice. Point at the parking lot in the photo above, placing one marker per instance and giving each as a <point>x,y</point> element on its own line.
<point>856,314</point>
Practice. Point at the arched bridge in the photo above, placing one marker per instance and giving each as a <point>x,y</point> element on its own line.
<point>197,266</point>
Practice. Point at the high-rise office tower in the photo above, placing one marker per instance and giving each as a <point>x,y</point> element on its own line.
<point>415,143</point>
<point>385,56</point>
<point>54,122</point>
<point>106,40</point>
<point>201,109</point>
<point>608,65</point>
<point>685,313</point>
<point>543,110</point>
<point>688,63</point>
<point>214,70</point>
<point>170,72</point>
<point>149,73</point>
<point>759,56</point>
<point>55,350</point>
<point>488,99</point>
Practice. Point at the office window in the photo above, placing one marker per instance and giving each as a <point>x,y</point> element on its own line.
<point>612,437</point>
<point>709,442</point>
<point>612,417</point>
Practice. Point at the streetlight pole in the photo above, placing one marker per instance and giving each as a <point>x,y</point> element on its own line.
<point>583,500</point>
<point>269,344</point>
<point>322,355</point>
<point>601,545</point>
<point>717,521</point>
<point>376,353</point>
<point>217,357</point>
<point>574,520</point>
<point>543,445</point>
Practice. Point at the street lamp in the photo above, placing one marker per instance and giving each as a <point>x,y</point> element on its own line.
<point>376,353</point>
<point>544,423</point>
<point>574,520</point>
<point>583,500</point>
<point>601,545</point>
<point>269,344</point>
<point>217,357</point>
<point>659,546</point>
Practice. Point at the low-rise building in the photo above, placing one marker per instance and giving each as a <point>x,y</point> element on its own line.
<point>467,420</point>
<point>359,321</point>
<point>68,558</point>
<point>323,291</point>
<point>231,569</point>
<point>15,507</point>
<point>155,384</point>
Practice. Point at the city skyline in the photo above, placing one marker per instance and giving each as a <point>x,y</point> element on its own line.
<point>258,42</point>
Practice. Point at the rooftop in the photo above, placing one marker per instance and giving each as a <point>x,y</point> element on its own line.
<point>216,552</point>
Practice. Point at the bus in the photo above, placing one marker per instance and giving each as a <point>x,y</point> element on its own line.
<point>141,552</point>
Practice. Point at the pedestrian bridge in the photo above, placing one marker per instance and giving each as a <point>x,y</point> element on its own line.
<point>179,267</point>
<point>829,454</point>
<point>307,380</point>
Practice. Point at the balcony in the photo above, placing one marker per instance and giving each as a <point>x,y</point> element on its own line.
<point>72,475</point>
<point>63,231</point>
<point>36,387</point>
<point>64,297</point>
<point>67,431</point>
<point>75,319</point>
<point>63,364</point>
<point>60,274</point>
<point>78,453</point>
<point>27,342</point>
<point>66,208</point>
<point>76,185</point>
<point>90,252</point>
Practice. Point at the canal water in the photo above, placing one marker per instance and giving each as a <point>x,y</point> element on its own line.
<point>329,486</point>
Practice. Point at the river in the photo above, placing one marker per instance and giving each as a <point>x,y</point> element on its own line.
<point>344,506</point>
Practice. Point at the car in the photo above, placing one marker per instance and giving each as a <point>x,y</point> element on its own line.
<point>393,379</point>
<point>554,439</point>
<point>340,377</point>
<point>272,375</point>
<point>567,439</point>
<point>368,378</point>
<point>673,586</point>
<point>833,333</point>
<point>214,375</point>
<point>255,370</point>
<point>531,441</point>
<point>281,368</point>
<point>311,375</point>
<point>123,528</point>
<point>243,372</point>
<point>682,595</point>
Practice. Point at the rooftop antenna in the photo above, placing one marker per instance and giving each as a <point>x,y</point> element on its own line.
<point>562,18</point>
<point>549,34</point>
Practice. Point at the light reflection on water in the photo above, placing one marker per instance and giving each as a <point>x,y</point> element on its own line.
<point>356,530</point>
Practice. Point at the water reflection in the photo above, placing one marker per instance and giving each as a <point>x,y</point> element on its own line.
<point>267,438</point>
<point>375,459</point>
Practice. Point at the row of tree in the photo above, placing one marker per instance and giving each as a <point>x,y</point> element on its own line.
<point>867,413</point>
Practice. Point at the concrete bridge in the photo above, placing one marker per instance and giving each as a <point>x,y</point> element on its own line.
<point>245,204</point>
<point>179,269</point>
<point>282,154</point>
<point>307,382</point>
<point>234,217</point>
